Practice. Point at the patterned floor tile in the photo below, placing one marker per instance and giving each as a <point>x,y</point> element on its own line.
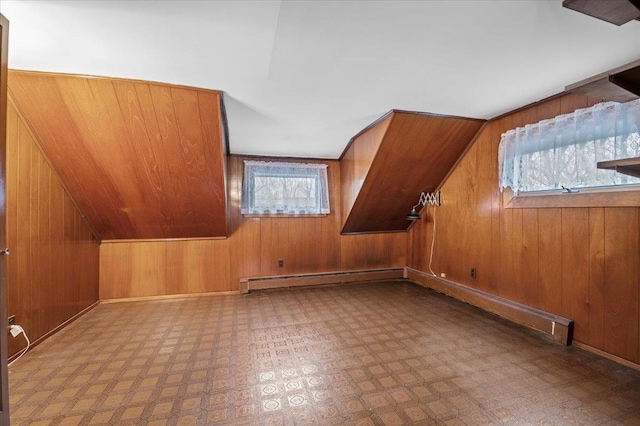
<point>364,354</point>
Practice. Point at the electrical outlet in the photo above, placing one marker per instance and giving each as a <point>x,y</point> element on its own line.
<point>11,320</point>
<point>280,263</point>
<point>473,273</point>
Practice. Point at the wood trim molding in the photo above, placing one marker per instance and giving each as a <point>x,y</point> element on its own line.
<point>433,114</point>
<point>401,111</point>
<point>281,215</point>
<point>4,373</point>
<point>607,355</point>
<point>225,124</point>
<point>560,328</point>
<point>393,231</point>
<point>168,296</point>
<point>58,328</point>
<point>363,131</point>
<point>283,159</point>
<point>527,106</point>
<point>161,240</point>
<point>323,278</point>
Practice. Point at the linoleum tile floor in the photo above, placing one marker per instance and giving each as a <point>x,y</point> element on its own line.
<point>385,353</point>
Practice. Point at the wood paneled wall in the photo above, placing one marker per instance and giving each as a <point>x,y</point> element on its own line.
<point>307,245</point>
<point>356,161</point>
<point>52,272</point>
<point>581,263</point>
<point>385,169</point>
<point>142,160</point>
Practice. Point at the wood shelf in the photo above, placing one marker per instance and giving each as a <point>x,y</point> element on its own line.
<point>620,84</point>
<point>628,166</point>
<point>616,12</point>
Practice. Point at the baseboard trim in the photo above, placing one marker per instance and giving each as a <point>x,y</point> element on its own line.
<point>53,331</point>
<point>322,278</point>
<point>168,296</point>
<point>560,328</point>
<point>607,355</point>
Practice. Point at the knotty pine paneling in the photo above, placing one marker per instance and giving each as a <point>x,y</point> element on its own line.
<point>581,263</point>
<point>307,245</point>
<point>52,272</point>
<point>142,160</point>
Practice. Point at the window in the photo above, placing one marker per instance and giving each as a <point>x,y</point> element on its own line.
<point>564,151</point>
<point>285,188</point>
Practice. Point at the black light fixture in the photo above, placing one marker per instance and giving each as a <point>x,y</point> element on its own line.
<point>431,198</point>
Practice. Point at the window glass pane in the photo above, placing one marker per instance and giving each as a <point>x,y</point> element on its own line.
<point>290,193</point>
<point>564,151</point>
<point>285,188</point>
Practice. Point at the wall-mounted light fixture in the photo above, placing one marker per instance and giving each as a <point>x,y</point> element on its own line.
<point>431,198</point>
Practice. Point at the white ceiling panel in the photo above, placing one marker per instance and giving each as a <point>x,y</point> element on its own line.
<point>302,77</point>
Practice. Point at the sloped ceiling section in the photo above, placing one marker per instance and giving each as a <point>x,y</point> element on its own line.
<point>386,167</point>
<point>142,160</point>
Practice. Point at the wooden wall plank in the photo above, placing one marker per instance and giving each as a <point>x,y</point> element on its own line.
<point>133,128</point>
<point>58,115</point>
<point>493,139</point>
<point>483,216</point>
<point>116,271</point>
<point>69,257</point>
<point>35,268</point>
<point>215,149</point>
<point>550,260</point>
<point>56,231</point>
<point>507,257</point>
<point>142,160</point>
<point>530,251</point>
<point>356,162</point>
<point>621,282</point>
<point>145,279</point>
<point>44,248</point>
<point>575,269</point>
<point>517,249</point>
<point>174,257</point>
<point>19,297</point>
<point>47,282</point>
<point>596,277</point>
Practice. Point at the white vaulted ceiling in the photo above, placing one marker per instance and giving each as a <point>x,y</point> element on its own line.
<point>302,77</point>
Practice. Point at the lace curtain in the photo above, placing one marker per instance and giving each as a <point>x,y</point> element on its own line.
<point>564,150</point>
<point>284,188</point>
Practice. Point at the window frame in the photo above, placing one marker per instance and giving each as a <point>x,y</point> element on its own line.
<point>622,195</point>
<point>322,185</point>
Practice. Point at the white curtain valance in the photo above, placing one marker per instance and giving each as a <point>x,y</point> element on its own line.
<point>565,150</point>
<point>271,187</point>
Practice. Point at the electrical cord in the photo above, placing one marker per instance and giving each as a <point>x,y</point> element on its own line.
<point>15,330</point>
<point>433,241</point>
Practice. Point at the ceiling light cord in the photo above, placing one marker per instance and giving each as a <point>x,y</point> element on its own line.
<point>15,330</point>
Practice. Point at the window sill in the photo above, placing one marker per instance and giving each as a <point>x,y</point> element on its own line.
<point>281,215</point>
<point>622,197</point>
